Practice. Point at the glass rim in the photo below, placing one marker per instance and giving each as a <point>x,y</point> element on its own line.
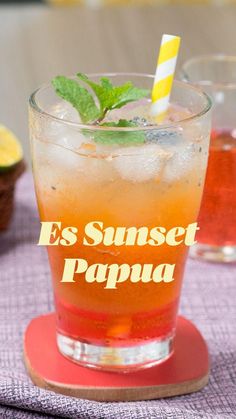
<point>210,58</point>
<point>208,104</point>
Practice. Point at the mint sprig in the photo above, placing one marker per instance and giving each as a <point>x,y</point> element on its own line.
<point>108,97</point>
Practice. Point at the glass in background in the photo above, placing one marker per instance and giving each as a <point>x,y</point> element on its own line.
<point>216,75</point>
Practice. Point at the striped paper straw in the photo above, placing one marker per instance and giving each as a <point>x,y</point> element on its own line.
<point>164,77</point>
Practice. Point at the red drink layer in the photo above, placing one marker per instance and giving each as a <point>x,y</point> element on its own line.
<point>217,219</point>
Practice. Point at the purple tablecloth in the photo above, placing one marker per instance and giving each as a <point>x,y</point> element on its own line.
<point>209,299</point>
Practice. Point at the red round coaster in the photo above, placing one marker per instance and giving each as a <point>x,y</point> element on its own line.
<point>184,372</point>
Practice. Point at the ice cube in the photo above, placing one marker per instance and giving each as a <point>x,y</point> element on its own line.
<point>72,140</point>
<point>140,164</point>
<point>53,163</point>
<point>179,164</point>
<point>99,169</point>
<point>64,110</point>
<point>164,137</point>
<point>63,134</point>
<point>60,131</point>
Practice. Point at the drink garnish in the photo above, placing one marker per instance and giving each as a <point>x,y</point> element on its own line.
<point>119,137</point>
<point>10,149</point>
<point>113,97</point>
<point>109,97</point>
<point>78,97</point>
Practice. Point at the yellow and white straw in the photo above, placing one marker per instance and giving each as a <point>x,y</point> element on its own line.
<point>164,77</point>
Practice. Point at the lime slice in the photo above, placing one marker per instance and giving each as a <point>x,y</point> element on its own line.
<point>10,149</point>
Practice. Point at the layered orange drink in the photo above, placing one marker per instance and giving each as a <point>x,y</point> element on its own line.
<point>150,185</point>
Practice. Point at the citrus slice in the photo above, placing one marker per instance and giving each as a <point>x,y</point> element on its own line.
<point>10,149</point>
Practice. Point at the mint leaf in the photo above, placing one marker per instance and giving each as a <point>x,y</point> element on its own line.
<point>106,83</point>
<point>113,97</point>
<point>78,96</point>
<point>109,97</point>
<point>119,137</point>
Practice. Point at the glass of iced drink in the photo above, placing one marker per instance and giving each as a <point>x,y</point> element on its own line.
<point>216,75</point>
<point>146,176</point>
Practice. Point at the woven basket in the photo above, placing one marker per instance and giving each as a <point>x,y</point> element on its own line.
<point>7,188</point>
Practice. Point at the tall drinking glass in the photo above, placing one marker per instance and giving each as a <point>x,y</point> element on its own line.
<point>156,183</point>
<point>216,75</point>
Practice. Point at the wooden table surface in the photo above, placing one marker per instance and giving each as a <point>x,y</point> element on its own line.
<point>38,42</point>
